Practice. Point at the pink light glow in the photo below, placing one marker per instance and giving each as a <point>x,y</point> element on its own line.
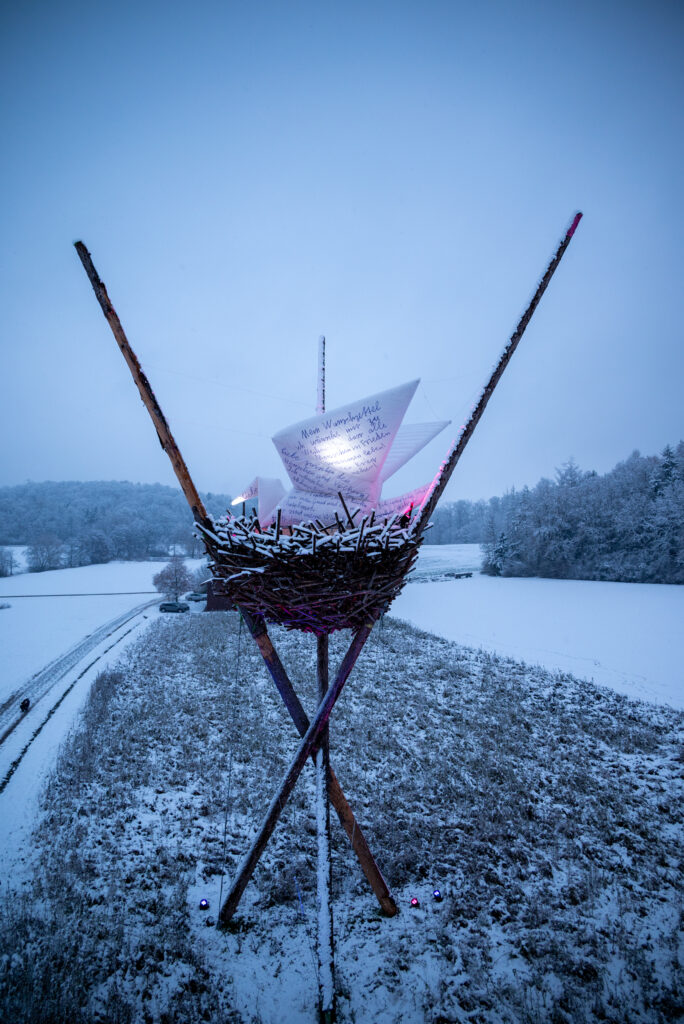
<point>573,226</point>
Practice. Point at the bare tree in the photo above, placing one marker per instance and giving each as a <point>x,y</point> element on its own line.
<point>8,562</point>
<point>46,552</point>
<point>173,579</point>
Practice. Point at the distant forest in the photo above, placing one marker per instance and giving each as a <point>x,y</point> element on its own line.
<point>627,525</point>
<point>69,524</point>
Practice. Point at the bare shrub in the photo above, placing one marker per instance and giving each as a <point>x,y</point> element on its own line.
<point>173,579</point>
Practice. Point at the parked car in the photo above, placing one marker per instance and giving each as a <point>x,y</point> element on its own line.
<point>174,606</point>
<point>195,595</point>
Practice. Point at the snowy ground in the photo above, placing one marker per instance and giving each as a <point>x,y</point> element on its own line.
<point>52,648</point>
<point>29,753</point>
<point>437,560</point>
<point>36,629</point>
<point>628,636</point>
<point>547,811</point>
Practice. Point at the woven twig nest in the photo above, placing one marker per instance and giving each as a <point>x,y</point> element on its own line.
<point>312,579</point>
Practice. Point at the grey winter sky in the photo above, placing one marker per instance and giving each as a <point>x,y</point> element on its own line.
<point>394,175</point>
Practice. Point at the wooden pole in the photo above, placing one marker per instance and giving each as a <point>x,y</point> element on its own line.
<point>458,447</point>
<point>308,746</point>
<point>257,628</point>
<point>326,942</point>
<point>147,395</point>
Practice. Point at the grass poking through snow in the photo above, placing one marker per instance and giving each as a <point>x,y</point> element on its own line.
<point>547,811</point>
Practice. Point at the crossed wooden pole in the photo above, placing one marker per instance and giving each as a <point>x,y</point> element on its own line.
<point>313,733</point>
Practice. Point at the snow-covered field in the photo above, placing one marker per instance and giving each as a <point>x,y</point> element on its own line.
<point>547,811</point>
<point>629,636</point>
<point>436,560</point>
<point>51,649</point>
<point>36,629</point>
<point>33,741</point>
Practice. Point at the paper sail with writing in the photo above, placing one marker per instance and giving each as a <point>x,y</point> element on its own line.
<point>350,450</point>
<point>408,442</point>
<point>268,491</point>
<point>345,449</point>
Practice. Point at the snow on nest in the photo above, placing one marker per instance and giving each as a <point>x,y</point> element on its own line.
<point>316,579</point>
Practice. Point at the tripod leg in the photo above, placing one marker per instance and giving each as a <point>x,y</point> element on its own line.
<point>307,747</point>
<point>369,866</point>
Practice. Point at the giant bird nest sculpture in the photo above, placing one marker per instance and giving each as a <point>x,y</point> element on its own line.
<point>302,559</point>
<point>316,573</point>
<point>315,577</point>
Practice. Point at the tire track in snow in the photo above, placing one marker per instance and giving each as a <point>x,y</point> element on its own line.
<point>42,682</point>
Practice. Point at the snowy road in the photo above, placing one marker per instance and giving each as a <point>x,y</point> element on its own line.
<point>52,648</point>
<point>36,628</point>
<point>39,687</point>
<point>30,749</point>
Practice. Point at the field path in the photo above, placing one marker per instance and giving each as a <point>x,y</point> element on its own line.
<point>42,684</point>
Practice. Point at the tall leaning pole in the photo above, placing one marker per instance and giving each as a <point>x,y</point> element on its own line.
<point>458,446</point>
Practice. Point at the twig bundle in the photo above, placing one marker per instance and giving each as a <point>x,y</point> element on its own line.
<point>317,579</point>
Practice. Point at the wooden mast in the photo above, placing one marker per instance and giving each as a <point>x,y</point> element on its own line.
<point>357,839</point>
<point>325,944</point>
<point>308,746</point>
<point>320,403</point>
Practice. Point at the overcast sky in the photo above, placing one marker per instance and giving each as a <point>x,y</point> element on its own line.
<point>396,176</point>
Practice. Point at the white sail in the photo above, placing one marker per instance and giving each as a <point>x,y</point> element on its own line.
<point>351,451</point>
<point>268,491</point>
<point>307,507</point>
<point>248,493</point>
<point>408,442</point>
<point>345,449</point>
<point>401,504</point>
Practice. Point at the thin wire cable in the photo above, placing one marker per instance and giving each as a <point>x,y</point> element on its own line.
<point>225,824</point>
<point>427,399</point>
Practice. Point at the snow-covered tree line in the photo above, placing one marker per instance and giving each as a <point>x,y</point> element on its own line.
<point>627,525</point>
<point>459,522</point>
<point>72,523</point>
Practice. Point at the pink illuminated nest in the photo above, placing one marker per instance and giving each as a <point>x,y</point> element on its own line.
<point>312,579</point>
